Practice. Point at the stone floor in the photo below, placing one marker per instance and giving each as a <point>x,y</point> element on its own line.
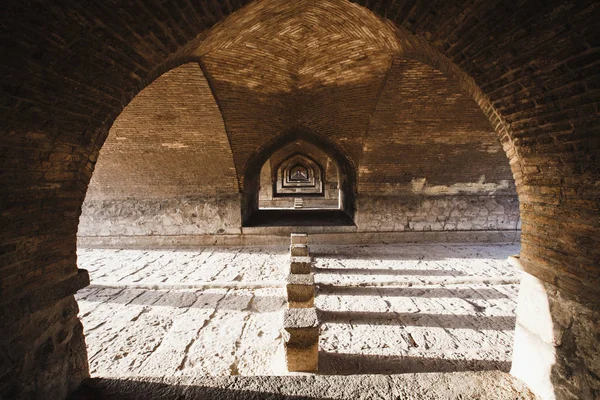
<point>488,385</point>
<point>218,311</point>
<point>394,309</point>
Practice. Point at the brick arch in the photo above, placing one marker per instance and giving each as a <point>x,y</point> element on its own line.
<point>68,70</point>
<point>287,159</point>
<point>251,183</point>
<point>167,157</point>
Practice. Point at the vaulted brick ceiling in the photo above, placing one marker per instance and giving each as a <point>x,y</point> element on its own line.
<point>319,64</point>
<point>329,66</point>
<point>324,65</point>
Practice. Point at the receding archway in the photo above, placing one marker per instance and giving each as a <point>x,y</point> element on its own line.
<point>165,170</point>
<point>282,149</point>
<point>299,171</point>
<point>65,82</point>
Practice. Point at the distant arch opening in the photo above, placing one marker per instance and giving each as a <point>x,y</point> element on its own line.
<point>300,175</point>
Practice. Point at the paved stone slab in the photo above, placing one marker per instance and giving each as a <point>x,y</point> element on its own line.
<point>415,324</point>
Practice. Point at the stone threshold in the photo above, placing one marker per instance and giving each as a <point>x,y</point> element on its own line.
<point>280,236</point>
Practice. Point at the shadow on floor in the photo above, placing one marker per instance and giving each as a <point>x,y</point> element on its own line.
<point>416,251</point>
<point>346,364</point>
<point>429,292</point>
<point>132,389</point>
<point>446,321</point>
<point>387,271</point>
<point>183,299</point>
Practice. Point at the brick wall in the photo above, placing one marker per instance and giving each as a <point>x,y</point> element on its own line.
<point>68,69</point>
<point>166,167</point>
<point>431,160</point>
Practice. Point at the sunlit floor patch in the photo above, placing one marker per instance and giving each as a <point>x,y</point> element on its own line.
<point>219,311</point>
<point>415,308</point>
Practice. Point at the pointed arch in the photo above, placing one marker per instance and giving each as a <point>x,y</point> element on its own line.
<point>346,169</point>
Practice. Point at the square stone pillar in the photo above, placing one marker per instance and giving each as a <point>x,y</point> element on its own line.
<point>301,290</point>
<point>300,265</point>
<point>299,238</point>
<point>302,344</point>
<point>299,250</point>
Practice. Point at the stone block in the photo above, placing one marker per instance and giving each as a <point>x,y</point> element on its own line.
<point>300,265</point>
<point>301,290</point>
<point>302,343</point>
<point>302,359</point>
<point>299,250</point>
<point>299,238</point>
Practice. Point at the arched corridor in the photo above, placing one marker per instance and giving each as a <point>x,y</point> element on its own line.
<point>133,133</point>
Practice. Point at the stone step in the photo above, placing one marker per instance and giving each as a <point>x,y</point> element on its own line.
<point>298,238</point>
<point>299,250</point>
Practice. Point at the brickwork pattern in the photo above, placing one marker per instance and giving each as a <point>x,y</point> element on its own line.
<point>69,69</point>
<point>170,141</point>
<point>294,63</point>
<point>426,132</point>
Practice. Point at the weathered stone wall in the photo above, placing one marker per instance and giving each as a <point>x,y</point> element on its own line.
<point>43,353</point>
<point>437,213</point>
<point>559,333</point>
<point>265,192</point>
<point>171,216</point>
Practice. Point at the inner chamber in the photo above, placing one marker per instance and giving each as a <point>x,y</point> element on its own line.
<point>395,173</point>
